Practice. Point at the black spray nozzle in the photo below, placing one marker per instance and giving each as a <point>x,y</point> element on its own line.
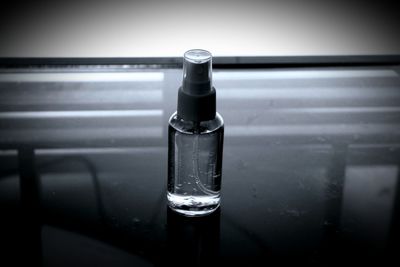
<point>197,71</point>
<point>196,97</point>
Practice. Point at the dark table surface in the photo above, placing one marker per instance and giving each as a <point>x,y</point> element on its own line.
<point>310,168</point>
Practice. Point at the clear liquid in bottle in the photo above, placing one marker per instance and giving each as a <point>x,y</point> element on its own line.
<point>195,163</point>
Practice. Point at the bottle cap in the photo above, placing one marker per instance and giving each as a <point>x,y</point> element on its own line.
<point>197,97</point>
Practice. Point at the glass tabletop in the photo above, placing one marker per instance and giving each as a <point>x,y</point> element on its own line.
<point>310,167</point>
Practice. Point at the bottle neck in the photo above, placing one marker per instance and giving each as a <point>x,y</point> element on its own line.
<point>196,108</point>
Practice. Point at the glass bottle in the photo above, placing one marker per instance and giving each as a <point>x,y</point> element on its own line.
<point>195,141</point>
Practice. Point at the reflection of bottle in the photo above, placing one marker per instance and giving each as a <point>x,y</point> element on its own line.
<point>192,241</point>
<point>196,133</point>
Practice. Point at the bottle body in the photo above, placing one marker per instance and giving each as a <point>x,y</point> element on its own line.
<point>194,165</point>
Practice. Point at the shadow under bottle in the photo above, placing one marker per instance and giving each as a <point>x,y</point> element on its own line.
<point>193,241</point>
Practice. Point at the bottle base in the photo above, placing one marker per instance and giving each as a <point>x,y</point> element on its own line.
<point>193,206</point>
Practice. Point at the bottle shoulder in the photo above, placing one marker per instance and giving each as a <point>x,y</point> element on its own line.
<point>190,127</point>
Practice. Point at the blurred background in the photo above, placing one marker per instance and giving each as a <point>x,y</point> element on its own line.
<point>156,28</point>
<point>309,92</point>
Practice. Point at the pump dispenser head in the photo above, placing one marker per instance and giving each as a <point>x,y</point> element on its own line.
<point>197,72</point>
<point>196,97</point>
